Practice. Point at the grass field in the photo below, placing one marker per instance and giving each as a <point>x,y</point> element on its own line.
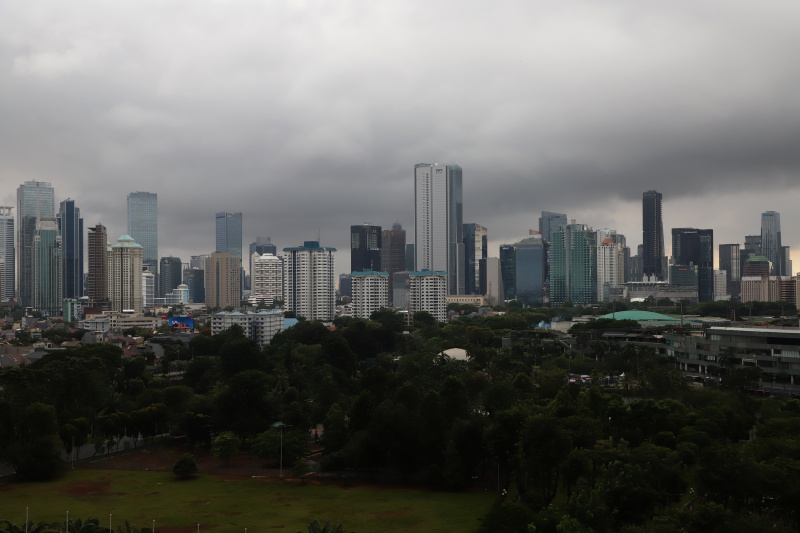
<point>219,504</point>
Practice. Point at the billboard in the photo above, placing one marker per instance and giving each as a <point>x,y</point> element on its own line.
<point>181,322</point>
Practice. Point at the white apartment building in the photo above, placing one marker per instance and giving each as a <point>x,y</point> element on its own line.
<point>427,291</point>
<point>610,267</point>
<point>125,275</point>
<point>266,277</point>
<point>720,285</point>
<point>260,327</point>
<point>148,289</point>
<point>308,289</point>
<point>369,292</point>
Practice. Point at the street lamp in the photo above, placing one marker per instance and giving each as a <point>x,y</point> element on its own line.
<point>280,426</point>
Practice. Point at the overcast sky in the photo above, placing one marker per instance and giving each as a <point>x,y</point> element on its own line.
<point>309,116</point>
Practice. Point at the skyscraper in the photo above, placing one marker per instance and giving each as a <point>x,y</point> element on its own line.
<point>125,275</point>
<point>267,275</point>
<point>222,280</point>
<point>549,222</point>
<point>47,268</point>
<point>170,275</point>
<point>475,248</point>
<point>393,253</point>
<point>365,247</point>
<point>692,246</point>
<point>508,270</point>
<point>261,247</point>
<point>771,240</point>
<point>573,265</point>
<point>729,261</point>
<point>229,234</point>
<point>143,226</point>
<point>652,235</point>
<point>97,282</point>
<point>309,281</point>
<point>70,225</point>
<point>438,222</point>
<point>610,267</point>
<point>7,253</point>
<point>370,292</point>
<point>35,201</point>
<point>531,257</point>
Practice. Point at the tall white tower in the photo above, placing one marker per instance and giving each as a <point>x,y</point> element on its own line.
<point>308,288</point>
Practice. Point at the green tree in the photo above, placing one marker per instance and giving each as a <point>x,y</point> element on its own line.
<point>225,446</point>
<point>185,467</point>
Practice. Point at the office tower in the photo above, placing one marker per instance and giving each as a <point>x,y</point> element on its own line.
<point>370,292</point>
<point>410,257</point>
<point>550,222</point>
<point>143,226</point>
<point>720,285</point>
<point>692,246</point>
<point>610,268</point>
<point>786,259</point>
<point>229,234</point>
<point>196,280</point>
<point>400,289</point>
<point>170,275</point>
<point>223,280</point>
<point>70,225</point>
<point>97,282</point>
<point>345,286</point>
<point>34,202</point>
<point>7,253</point>
<point>308,281</point>
<point>475,248</point>
<point>492,280</point>
<point>573,265</point>
<point>771,240</point>
<point>438,222</point>
<point>393,253</point>
<point>652,236</point>
<point>427,291</point>
<point>149,291</point>
<point>752,247</point>
<point>125,260</point>
<point>267,276</point>
<point>365,247</point>
<point>531,257</point>
<point>47,268</point>
<point>508,268</point>
<point>729,262</point>
<point>756,266</point>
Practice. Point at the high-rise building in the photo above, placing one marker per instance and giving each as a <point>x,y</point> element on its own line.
<point>410,257</point>
<point>345,286</point>
<point>771,240</point>
<point>267,275</point>
<point>97,279</point>
<point>125,275</point>
<point>365,247</point>
<point>195,280</point>
<point>223,280</point>
<point>149,291</point>
<point>198,261</point>
<point>729,262</point>
<point>261,246</point>
<point>573,265</point>
<point>47,268</point>
<point>492,284</point>
<point>35,201</point>
<point>476,243</point>
<point>508,269</point>
<point>610,267</point>
<point>439,222</point>
<point>70,225</point>
<point>370,292</point>
<point>143,227</point>
<point>393,253</point>
<point>229,234</point>
<point>7,253</point>
<point>786,260</point>
<point>720,285</point>
<point>531,258</point>
<point>170,275</point>
<point>427,291</point>
<point>550,222</point>
<point>308,286</point>
<point>652,236</point>
<point>692,246</point>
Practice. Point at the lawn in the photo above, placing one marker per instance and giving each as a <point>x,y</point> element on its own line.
<point>219,504</point>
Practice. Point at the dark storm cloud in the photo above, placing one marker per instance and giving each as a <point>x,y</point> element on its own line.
<point>309,116</point>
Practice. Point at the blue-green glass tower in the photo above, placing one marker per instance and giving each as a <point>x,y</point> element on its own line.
<point>35,201</point>
<point>143,226</point>
<point>573,265</point>
<point>70,225</point>
<point>47,268</point>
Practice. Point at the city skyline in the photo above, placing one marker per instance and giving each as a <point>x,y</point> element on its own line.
<point>280,118</point>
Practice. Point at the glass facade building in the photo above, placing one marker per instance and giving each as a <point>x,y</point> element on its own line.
<point>692,246</point>
<point>365,248</point>
<point>530,269</point>
<point>549,222</point>
<point>652,235</point>
<point>143,226</point>
<point>229,234</point>
<point>7,253</point>
<point>47,268</point>
<point>771,240</point>
<point>729,261</point>
<point>475,248</point>
<point>70,225</point>
<point>573,265</point>
<point>508,270</point>
<point>35,201</point>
